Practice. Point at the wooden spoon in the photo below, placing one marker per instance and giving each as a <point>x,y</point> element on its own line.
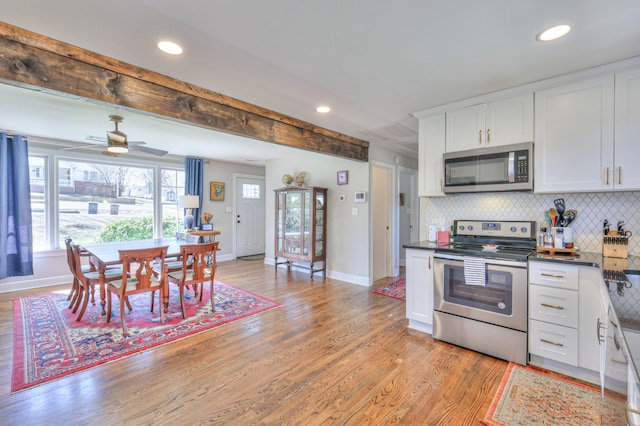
<point>553,214</point>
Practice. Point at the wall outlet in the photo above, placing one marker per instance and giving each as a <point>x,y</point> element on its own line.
<point>433,232</point>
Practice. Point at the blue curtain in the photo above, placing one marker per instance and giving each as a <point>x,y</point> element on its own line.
<point>193,185</point>
<point>16,245</point>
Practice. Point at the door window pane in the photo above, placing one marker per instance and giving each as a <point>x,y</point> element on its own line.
<point>250,191</point>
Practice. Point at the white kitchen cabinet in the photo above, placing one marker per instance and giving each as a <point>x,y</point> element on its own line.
<point>565,313</point>
<point>497,123</point>
<point>633,398</point>
<point>431,146</point>
<point>574,137</point>
<point>419,285</point>
<point>625,170</point>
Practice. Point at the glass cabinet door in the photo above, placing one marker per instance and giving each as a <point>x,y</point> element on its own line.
<point>319,224</point>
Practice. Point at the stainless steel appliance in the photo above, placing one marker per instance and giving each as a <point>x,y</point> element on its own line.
<point>498,168</point>
<point>480,293</point>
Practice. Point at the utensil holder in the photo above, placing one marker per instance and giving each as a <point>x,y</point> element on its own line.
<point>615,246</point>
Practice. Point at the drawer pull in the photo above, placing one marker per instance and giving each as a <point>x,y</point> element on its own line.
<point>627,410</point>
<point>552,275</point>
<point>546,305</point>
<point>551,342</point>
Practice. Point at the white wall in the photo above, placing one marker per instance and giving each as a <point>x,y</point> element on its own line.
<point>218,171</point>
<point>347,235</point>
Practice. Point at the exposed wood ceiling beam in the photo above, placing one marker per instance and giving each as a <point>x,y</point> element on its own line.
<point>32,60</point>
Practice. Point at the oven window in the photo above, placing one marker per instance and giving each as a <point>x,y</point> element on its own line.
<point>496,296</point>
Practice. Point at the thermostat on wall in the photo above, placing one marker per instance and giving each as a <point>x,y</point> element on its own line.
<point>360,197</point>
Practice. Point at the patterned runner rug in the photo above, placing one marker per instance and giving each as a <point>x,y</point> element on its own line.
<point>48,342</point>
<point>396,289</point>
<point>531,396</point>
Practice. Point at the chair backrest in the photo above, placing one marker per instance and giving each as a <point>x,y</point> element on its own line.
<point>76,263</point>
<point>69,242</point>
<point>202,258</point>
<point>143,260</point>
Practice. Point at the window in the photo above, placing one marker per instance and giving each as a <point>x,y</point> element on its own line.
<point>92,198</point>
<point>38,190</point>
<point>172,186</point>
<point>103,202</point>
<point>250,191</point>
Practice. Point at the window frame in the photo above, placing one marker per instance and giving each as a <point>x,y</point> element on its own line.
<point>52,158</point>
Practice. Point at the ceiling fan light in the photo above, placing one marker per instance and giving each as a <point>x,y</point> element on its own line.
<point>118,149</point>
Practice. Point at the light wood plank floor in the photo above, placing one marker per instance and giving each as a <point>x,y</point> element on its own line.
<point>333,354</point>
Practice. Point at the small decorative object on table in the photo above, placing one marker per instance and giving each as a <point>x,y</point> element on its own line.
<point>287,179</point>
<point>206,218</point>
<point>300,178</point>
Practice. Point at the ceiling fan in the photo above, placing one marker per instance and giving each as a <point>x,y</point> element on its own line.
<point>117,143</point>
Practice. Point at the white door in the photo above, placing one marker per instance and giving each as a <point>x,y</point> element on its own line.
<point>250,223</point>
<point>381,204</point>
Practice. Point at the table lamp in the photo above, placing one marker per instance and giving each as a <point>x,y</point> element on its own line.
<point>189,202</point>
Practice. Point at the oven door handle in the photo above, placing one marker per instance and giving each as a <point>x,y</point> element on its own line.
<point>450,258</point>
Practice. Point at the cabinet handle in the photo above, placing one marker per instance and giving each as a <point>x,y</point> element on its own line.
<point>600,326</point>
<point>429,262</point>
<point>488,136</point>
<point>480,137</point>
<point>551,342</point>
<point>552,306</point>
<point>544,274</point>
<point>619,175</point>
<point>607,181</point>
<point>627,411</point>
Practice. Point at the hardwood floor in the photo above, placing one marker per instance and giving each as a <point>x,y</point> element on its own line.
<point>333,354</point>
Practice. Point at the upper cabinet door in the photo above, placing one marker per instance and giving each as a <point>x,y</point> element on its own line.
<point>465,128</point>
<point>510,121</point>
<point>501,122</point>
<point>574,137</point>
<point>431,145</point>
<point>626,174</point>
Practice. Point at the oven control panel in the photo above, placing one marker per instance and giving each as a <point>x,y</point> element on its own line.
<point>481,228</point>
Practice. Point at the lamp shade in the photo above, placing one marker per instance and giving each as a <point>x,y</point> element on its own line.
<point>189,201</point>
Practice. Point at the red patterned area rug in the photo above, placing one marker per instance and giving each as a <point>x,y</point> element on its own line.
<point>532,396</point>
<point>396,289</point>
<point>48,342</point>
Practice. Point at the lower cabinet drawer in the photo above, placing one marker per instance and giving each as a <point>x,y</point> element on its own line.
<point>554,342</point>
<point>553,305</point>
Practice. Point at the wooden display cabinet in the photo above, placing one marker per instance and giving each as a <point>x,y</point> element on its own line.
<point>300,229</point>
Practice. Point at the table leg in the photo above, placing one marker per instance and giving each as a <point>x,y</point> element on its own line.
<point>165,286</point>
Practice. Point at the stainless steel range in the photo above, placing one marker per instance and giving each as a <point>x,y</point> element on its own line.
<point>480,299</point>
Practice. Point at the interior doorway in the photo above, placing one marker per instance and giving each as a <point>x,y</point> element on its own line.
<point>382,221</point>
<point>408,227</point>
<point>249,215</point>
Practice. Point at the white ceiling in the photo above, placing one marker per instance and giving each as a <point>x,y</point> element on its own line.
<point>375,62</point>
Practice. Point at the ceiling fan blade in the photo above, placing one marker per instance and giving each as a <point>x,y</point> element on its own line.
<point>88,145</point>
<point>147,150</point>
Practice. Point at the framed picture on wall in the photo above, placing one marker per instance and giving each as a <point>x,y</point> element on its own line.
<point>343,177</point>
<point>217,191</point>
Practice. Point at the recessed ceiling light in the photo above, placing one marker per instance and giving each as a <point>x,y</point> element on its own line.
<point>323,109</point>
<point>170,47</point>
<point>553,33</point>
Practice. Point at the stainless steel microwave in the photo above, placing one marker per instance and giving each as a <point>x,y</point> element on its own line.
<point>498,168</point>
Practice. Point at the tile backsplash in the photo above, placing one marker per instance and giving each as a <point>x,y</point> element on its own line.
<point>592,209</point>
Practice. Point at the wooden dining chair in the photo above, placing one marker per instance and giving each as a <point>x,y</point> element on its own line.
<point>86,279</point>
<point>201,270</point>
<point>75,293</point>
<point>139,263</point>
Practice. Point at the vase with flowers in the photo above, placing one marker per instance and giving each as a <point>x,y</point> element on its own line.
<point>206,219</point>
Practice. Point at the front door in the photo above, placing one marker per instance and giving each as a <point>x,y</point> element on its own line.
<point>250,214</point>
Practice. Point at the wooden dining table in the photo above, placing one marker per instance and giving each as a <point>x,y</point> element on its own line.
<point>108,254</point>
